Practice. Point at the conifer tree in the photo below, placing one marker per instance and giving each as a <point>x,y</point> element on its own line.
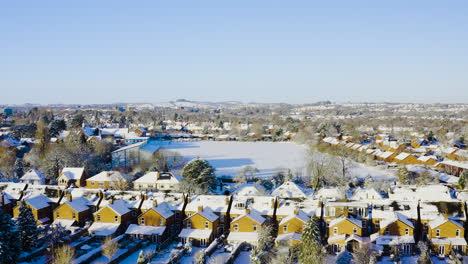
<point>9,248</point>
<point>27,228</point>
<point>311,250</point>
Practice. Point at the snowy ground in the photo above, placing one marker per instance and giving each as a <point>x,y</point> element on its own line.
<point>229,157</point>
<point>189,258</point>
<point>243,258</point>
<point>132,259</point>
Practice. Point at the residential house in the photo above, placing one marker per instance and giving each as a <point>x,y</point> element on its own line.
<point>108,180</point>
<point>447,235</point>
<point>110,219</point>
<point>427,160</point>
<point>74,211</point>
<point>41,207</point>
<point>395,232</point>
<point>245,227</point>
<point>406,159</point>
<point>162,181</point>
<point>72,177</point>
<point>289,189</point>
<point>346,233</point>
<point>200,227</point>
<point>290,228</point>
<point>33,176</point>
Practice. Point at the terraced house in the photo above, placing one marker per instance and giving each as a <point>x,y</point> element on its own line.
<point>200,227</point>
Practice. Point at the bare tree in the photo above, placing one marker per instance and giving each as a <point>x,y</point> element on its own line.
<point>63,255</point>
<point>365,254</point>
<point>109,248</point>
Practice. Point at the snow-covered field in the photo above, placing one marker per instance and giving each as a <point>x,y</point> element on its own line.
<point>229,157</point>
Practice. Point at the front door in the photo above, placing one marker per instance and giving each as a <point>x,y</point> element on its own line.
<point>442,250</point>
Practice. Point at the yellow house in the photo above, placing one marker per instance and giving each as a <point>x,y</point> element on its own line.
<point>406,159</point>
<point>156,223</point>
<point>200,228</point>
<point>427,160</point>
<point>386,156</point>
<point>41,207</point>
<point>111,218</point>
<point>290,228</point>
<point>72,176</point>
<point>73,211</point>
<point>245,227</point>
<point>395,232</point>
<point>345,232</point>
<point>108,180</point>
<point>445,235</point>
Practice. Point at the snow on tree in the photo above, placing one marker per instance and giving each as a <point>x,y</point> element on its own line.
<point>365,254</point>
<point>27,228</point>
<point>141,258</point>
<point>9,248</point>
<point>63,255</point>
<point>109,248</point>
<point>199,173</point>
<point>424,257</point>
<point>311,250</point>
<point>264,251</point>
<point>200,257</point>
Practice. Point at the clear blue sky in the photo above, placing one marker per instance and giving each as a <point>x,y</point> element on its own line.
<point>263,51</point>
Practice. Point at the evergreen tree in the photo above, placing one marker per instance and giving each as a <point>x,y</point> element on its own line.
<point>264,252</point>
<point>311,250</point>
<point>9,248</point>
<point>462,180</point>
<point>201,174</point>
<point>27,228</point>
<point>19,168</point>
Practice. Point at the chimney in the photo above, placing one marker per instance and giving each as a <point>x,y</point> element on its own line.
<point>155,203</point>
<point>108,173</point>
<point>273,203</point>
<point>345,211</point>
<point>111,200</point>
<point>200,208</point>
<point>296,211</point>
<point>247,210</point>
<point>227,200</point>
<point>69,197</point>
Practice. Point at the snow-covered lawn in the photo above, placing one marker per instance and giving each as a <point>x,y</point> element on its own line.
<point>189,258</point>
<point>404,260</point>
<point>164,255</point>
<point>243,258</point>
<point>229,157</point>
<point>132,259</point>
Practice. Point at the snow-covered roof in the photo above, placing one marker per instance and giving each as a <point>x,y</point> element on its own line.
<point>301,215</point>
<point>109,176</point>
<point>391,240</point>
<point>157,177</point>
<point>145,230</point>
<point>458,164</point>
<point>79,204</point>
<point>33,174</point>
<point>72,173</point>
<point>426,158</point>
<point>252,214</point>
<point>441,220</point>
<point>103,229</point>
<point>65,223</point>
<point>164,209</point>
<point>385,154</point>
<point>195,233</point>
<point>458,241</point>
<point>329,193</point>
<point>38,202</point>
<point>351,219</point>
<point>288,189</point>
<point>366,194</point>
<point>121,207</point>
<point>250,189</point>
<point>396,216</point>
<point>434,192</point>
<point>402,156</point>
<point>332,239</point>
<point>289,236</point>
<point>208,214</point>
<point>242,237</point>
<point>217,203</point>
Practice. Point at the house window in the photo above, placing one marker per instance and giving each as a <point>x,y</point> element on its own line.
<point>236,227</point>
<point>387,232</point>
<point>57,214</point>
<point>254,227</point>
<point>285,228</point>
<point>438,233</point>
<point>142,221</point>
<point>354,230</point>
<point>92,183</point>
<point>161,222</point>
<point>98,218</point>
<point>406,231</point>
<point>74,215</point>
<point>332,211</point>
<point>350,210</point>
<point>116,218</point>
<point>457,233</point>
<point>189,224</point>
<point>335,231</point>
<point>207,225</point>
